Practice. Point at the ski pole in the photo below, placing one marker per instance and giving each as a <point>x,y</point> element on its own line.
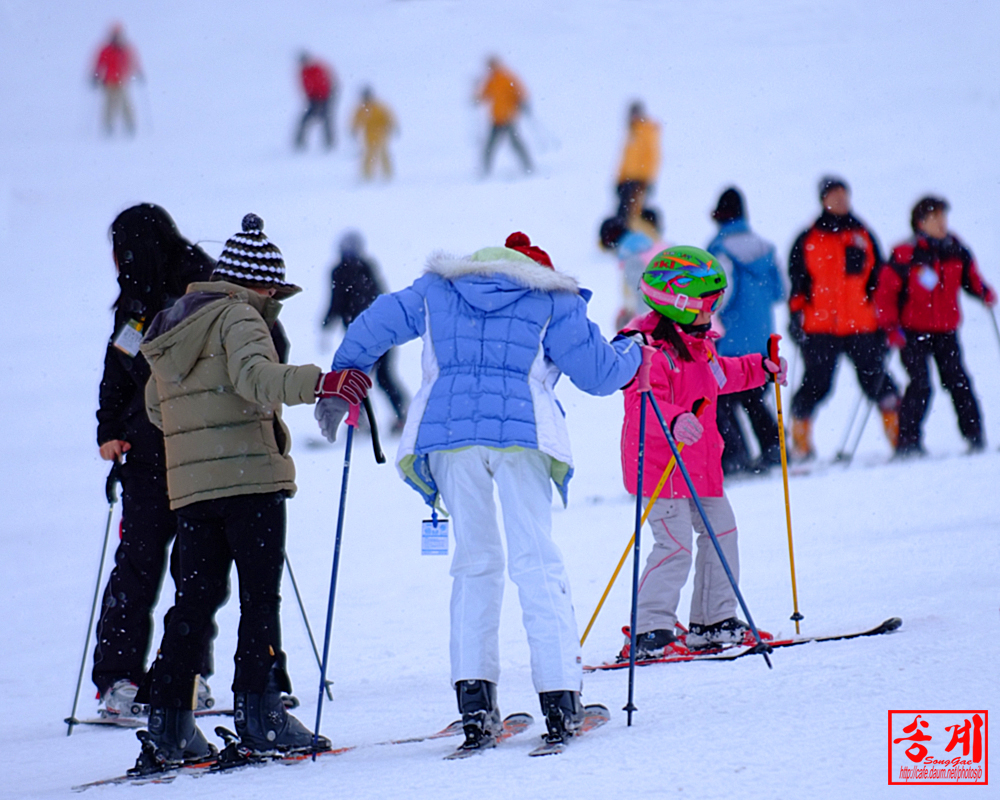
<point>698,407</point>
<point>772,353</point>
<point>352,422</point>
<point>993,319</point>
<point>109,490</point>
<point>644,391</point>
<point>305,619</point>
<point>842,450</point>
<point>760,647</point>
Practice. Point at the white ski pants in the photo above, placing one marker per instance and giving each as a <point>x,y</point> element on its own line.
<point>669,563</point>
<point>465,479</point>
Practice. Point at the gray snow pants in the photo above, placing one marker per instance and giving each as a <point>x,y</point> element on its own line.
<point>668,565</point>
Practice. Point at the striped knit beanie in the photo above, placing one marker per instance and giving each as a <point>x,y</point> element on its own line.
<point>250,259</point>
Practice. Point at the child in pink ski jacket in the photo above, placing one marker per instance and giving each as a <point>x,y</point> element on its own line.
<point>684,286</point>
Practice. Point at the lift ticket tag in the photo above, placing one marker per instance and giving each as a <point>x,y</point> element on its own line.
<point>129,338</point>
<point>434,537</point>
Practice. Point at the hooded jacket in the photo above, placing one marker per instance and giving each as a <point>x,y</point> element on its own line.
<point>498,331</point>
<point>676,385</point>
<point>216,392</point>
<point>754,285</point>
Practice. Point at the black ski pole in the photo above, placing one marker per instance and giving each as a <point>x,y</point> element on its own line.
<point>305,619</point>
<point>644,392</point>
<point>114,476</point>
<point>842,450</point>
<point>352,421</point>
<point>760,646</point>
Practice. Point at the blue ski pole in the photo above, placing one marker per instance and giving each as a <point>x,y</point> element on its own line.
<point>760,647</point>
<point>352,421</point>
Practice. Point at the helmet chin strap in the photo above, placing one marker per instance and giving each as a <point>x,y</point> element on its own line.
<point>695,330</point>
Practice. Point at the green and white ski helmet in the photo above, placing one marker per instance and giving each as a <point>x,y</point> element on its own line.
<point>681,281</point>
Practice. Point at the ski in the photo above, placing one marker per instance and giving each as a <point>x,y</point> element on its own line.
<point>140,722</point>
<point>680,653</point>
<point>595,716</point>
<point>201,768</point>
<point>513,724</point>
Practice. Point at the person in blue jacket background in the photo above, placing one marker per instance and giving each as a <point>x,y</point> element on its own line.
<point>499,327</point>
<point>748,319</point>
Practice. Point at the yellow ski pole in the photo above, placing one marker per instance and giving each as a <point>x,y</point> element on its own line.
<point>772,353</point>
<point>698,408</point>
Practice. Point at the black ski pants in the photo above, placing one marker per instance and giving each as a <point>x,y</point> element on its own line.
<point>387,383</point>
<point>322,111</point>
<point>249,530</point>
<point>735,456</point>
<point>947,354</point>
<point>821,351</point>
<point>126,622</point>
<point>511,133</point>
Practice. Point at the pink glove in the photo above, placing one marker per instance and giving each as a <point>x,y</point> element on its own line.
<point>779,370</point>
<point>990,297</point>
<point>350,384</point>
<point>896,338</point>
<point>686,428</point>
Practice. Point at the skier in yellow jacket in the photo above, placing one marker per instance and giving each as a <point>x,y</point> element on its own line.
<point>640,162</point>
<point>375,122</point>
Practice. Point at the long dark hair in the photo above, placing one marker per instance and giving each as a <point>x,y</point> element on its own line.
<point>666,331</point>
<point>155,263</point>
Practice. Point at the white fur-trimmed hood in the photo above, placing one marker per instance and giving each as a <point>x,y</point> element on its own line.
<point>517,267</point>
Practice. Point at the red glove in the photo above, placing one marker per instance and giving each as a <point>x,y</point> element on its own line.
<point>990,297</point>
<point>350,384</point>
<point>686,428</point>
<point>896,338</point>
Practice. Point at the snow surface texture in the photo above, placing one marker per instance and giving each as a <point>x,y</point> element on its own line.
<point>899,97</point>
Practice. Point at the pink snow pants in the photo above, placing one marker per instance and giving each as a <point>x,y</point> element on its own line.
<point>465,479</point>
<point>669,563</point>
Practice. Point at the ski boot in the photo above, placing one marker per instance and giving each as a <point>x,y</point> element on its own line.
<point>727,632</point>
<point>119,701</point>
<point>802,444</point>
<point>563,714</point>
<point>205,700</point>
<point>477,702</point>
<point>265,726</point>
<point>652,644</point>
<point>173,739</point>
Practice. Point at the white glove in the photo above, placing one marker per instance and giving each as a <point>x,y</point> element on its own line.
<point>330,412</point>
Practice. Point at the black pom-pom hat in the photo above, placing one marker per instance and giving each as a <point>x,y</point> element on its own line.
<point>251,259</point>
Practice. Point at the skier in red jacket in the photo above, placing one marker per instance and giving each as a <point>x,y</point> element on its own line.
<point>116,63</point>
<point>319,82</point>
<point>917,304</point>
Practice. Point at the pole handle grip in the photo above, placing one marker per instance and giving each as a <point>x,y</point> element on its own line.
<point>699,406</point>
<point>376,443</point>
<point>642,378</point>
<point>114,477</point>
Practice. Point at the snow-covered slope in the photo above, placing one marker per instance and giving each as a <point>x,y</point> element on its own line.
<point>899,97</point>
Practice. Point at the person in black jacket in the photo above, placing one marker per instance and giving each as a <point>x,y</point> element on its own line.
<point>155,264</point>
<point>354,286</point>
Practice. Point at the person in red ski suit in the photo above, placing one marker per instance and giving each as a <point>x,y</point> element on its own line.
<point>319,83</point>
<point>684,286</point>
<point>917,304</point>
<point>115,65</point>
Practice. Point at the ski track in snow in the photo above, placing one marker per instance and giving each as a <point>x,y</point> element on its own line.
<point>900,98</point>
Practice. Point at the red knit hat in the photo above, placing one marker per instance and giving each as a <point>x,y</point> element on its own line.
<point>520,242</point>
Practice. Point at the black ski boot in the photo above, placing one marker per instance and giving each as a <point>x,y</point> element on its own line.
<point>173,739</point>
<point>477,701</point>
<point>264,724</point>
<point>563,714</point>
<point>653,644</point>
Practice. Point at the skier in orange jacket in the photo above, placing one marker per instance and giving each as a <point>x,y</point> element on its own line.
<point>507,98</point>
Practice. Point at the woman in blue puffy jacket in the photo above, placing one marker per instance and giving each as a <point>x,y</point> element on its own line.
<point>499,328</point>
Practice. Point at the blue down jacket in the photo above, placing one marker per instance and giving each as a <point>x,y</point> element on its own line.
<point>498,331</point>
<point>754,286</point>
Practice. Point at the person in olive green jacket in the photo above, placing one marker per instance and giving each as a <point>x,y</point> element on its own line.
<point>216,391</point>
